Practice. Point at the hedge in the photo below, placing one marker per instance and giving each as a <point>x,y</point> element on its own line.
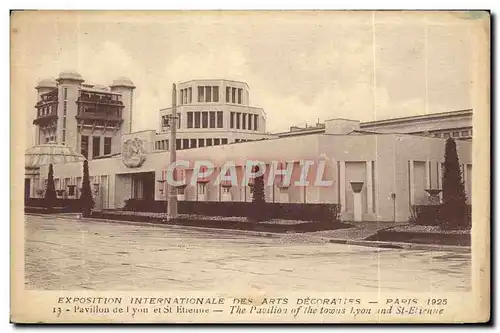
<point>65,205</point>
<point>430,214</point>
<point>287,211</point>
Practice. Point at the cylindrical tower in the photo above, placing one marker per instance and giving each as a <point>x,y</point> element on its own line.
<point>125,87</point>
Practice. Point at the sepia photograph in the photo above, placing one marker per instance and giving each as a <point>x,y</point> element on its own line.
<point>250,166</point>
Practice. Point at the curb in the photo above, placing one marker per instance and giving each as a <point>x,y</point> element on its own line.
<point>401,245</point>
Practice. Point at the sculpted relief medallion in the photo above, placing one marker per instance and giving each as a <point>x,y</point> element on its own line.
<point>133,153</point>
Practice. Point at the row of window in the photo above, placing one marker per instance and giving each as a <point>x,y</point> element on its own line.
<point>234,95</point>
<point>205,119</point>
<point>191,143</point>
<point>208,94</point>
<point>186,96</point>
<point>96,146</point>
<point>454,134</point>
<point>211,94</point>
<point>246,121</point>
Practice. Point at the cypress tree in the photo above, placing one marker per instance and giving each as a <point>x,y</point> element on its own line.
<point>86,200</point>
<point>50,192</point>
<point>258,198</point>
<point>454,207</point>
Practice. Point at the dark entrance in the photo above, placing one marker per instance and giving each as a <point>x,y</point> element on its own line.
<point>27,187</point>
<point>144,185</point>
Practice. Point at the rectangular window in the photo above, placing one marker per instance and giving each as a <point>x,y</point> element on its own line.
<point>204,119</point>
<point>185,143</point>
<point>244,121</point>
<point>201,142</point>
<point>233,95</point>
<point>208,93</point>
<point>250,120</point>
<point>107,146</point>
<point>196,120</point>
<point>64,135</point>
<point>84,148</point>
<point>219,119</point>
<point>178,120</point>
<point>190,95</point>
<point>65,93</point>
<point>185,96</point>
<point>209,142</point>
<point>256,122</point>
<point>96,146</point>
<point>178,143</point>
<point>238,115</point>
<point>193,143</point>
<point>181,96</point>
<point>212,119</point>
<point>228,94</point>
<point>216,142</point>
<point>190,120</point>
<point>224,141</point>
<point>239,96</point>
<point>455,134</point>
<point>201,97</point>
<point>237,140</point>
<point>465,133</point>
<point>215,90</point>
<point>157,145</point>
<point>65,107</point>
<point>231,120</point>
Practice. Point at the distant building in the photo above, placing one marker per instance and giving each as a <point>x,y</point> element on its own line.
<point>455,124</point>
<point>212,113</point>
<point>90,118</point>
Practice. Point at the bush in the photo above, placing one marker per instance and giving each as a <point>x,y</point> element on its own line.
<point>433,215</point>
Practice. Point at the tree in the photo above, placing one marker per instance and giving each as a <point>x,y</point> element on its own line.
<point>454,208</point>
<point>50,192</point>
<point>86,200</point>
<point>258,211</point>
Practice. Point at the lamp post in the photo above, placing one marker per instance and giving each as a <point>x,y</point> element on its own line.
<point>172,196</point>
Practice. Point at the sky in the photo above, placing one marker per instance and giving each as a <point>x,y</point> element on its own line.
<point>301,66</point>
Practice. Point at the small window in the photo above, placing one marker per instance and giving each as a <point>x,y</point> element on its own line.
<point>215,90</point>
<point>201,95</point>
<point>185,143</point>
<point>239,96</point>
<point>197,120</point>
<point>238,116</point>
<point>216,142</point>
<point>219,119</point>
<point>190,120</point>
<point>209,142</point>
<point>178,120</point>
<point>107,146</point>
<point>228,94</point>
<point>204,119</point>
<point>465,133</point>
<point>190,95</point>
<point>193,143</point>
<point>178,143</point>
<point>224,141</point>
<point>201,142</point>
<point>256,122</point>
<point>212,119</point>
<point>231,120</point>
<point>233,95</point>
<point>244,121</point>
<point>455,134</point>
<point>84,148</point>
<point>96,146</point>
<point>437,135</point>
<point>208,93</point>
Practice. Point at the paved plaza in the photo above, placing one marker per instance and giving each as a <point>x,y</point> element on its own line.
<point>64,252</point>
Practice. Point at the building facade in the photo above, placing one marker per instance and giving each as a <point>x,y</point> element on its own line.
<point>90,118</point>
<point>375,172</point>
<point>212,113</point>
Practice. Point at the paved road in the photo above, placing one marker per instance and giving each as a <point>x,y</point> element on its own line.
<point>68,253</point>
